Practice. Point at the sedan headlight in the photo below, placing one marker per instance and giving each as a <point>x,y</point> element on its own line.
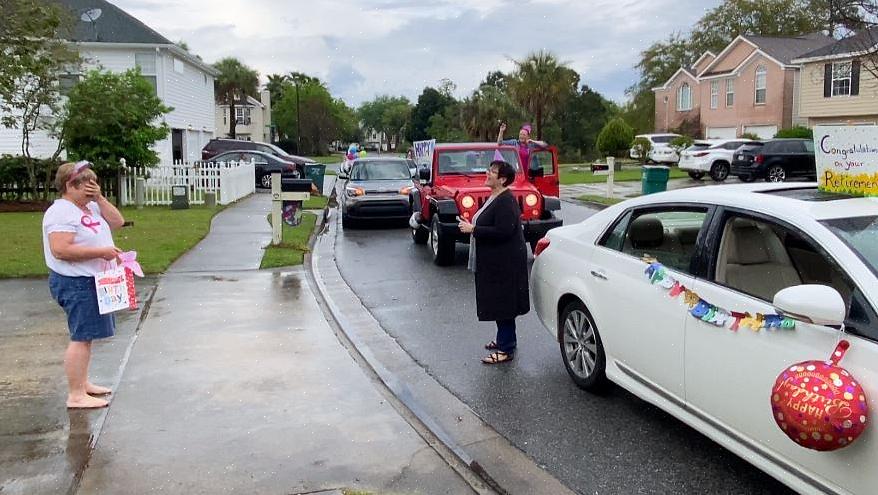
<point>530,200</point>
<point>467,202</point>
<point>354,191</point>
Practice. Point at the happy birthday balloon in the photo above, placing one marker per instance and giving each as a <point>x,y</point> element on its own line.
<point>819,405</point>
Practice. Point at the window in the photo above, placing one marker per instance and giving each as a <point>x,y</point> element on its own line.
<point>760,258</point>
<point>714,94</point>
<point>242,115</point>
<point>761,76</point>
<point>684,98</point>
<point>841,79</point>
<point>669,236</point>
<point>541,163</point>
<point>146,61</point>
<point>730,92</point>
<point>473,162</point>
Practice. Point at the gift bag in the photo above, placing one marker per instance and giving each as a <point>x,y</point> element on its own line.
<point>115,287</point>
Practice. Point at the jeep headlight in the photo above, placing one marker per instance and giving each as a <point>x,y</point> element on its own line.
<point>467,202</point>
<point>530,200</point>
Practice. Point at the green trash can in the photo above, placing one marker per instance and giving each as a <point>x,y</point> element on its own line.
<point>654,178</point>
<point>315,172</point>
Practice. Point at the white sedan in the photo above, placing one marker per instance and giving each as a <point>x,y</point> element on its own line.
<point>712,157</point>
<point>737,247</point>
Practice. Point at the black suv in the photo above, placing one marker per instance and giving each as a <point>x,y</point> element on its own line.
<point>216,146</point>
<point>775,161</point>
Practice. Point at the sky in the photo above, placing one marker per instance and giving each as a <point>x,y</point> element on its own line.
<point>365,48</point>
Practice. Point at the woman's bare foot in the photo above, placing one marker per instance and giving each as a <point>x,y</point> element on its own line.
<point>92,389</point>
<point>85,402</point>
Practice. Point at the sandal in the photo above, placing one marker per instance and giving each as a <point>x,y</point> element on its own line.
<point>497,358</point>
<point>491,346</point>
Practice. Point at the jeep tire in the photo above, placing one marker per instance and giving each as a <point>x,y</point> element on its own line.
<point>441,247</point>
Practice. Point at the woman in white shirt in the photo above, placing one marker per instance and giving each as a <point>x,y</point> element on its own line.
<point>78,244</point>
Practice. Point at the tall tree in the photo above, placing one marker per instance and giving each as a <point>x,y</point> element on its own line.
<point>580,121</point>
<point>430,103</point>
<point>32,55</point>
<point>540,84</point>
<point>307,113</point>
<point>235,83</point>
<point>388,115</point>
<point>275,86</point>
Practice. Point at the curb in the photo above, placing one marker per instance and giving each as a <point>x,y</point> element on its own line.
<point>463,434</point>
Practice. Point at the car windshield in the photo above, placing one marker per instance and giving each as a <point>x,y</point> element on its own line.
<point>278,151</point>
<point>381,170</point>
<point>662,139</point>
<point>463,162</point>
<point>861,235</point>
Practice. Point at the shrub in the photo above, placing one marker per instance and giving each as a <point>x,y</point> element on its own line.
<point>750,135</point>
<point>795,132</point>
<point>681,143</point>
<point>615,137</point>
<point>642,146</point>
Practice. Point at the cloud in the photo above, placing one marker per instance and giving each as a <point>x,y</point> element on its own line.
<point>363,48</point>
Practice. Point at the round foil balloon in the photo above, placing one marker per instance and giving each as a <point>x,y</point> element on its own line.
<point>819,405</point>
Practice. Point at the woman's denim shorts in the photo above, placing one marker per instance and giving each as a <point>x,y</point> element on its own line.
<point>78,297</point>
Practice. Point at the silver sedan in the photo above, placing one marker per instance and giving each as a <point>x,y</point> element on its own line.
<point>376,188</point>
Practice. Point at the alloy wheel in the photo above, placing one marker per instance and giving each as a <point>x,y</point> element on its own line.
<point>434,238</point>
<point>265,181</point>
<point>580,344</point>
<point>777,174</point>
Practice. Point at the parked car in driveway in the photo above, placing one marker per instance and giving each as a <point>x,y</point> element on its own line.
<point>712,157</point>
<point>376,188</point>
<point>661,151</point>
<point>776,161</point>
<point>266,164</point>
<point>217,146</point>
<point>754,248</point>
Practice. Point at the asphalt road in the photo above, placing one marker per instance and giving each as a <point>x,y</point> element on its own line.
<point>614,443</point>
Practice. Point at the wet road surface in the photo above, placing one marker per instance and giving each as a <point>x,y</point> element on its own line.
<point>611,443</point>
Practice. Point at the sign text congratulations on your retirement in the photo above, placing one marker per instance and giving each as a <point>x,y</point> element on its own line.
<point>847,159</point>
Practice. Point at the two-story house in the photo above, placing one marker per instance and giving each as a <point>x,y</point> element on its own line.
<point>108,38</point>
<point>838,83</point>
<point>252,118</point>
<point>749,87</point>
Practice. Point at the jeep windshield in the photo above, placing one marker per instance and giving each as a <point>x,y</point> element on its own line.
<point>473,162</point>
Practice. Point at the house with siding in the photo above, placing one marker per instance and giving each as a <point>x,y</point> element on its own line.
<point>252,117</point>
<point>108,38</point>
<point>836,86</point>
<point>751,86</point>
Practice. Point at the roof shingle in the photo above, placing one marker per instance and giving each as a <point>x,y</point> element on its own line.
<point>786,49</point>
<point>862,41</point>
<point>113,25</point>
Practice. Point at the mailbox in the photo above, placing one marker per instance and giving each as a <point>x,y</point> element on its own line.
<point>179,198</point>
<point>295,185</point>
<point>287,196</point>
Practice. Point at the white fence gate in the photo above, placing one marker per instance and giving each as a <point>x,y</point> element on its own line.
<point>230,181</point>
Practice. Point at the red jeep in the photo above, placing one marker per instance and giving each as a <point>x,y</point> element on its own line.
<point>455,185</point>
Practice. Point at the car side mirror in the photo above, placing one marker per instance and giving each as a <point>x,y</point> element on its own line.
<point>817,304</point>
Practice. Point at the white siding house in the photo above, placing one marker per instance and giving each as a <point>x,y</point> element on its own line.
<point>116,41</point>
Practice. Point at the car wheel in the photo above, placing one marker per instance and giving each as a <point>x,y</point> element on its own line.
<point>696,175</point>
<point>719,171</point>
<point>441,247</point>
<point>265,181</point>
<point>776,173</point>
<point>581,347</point>
<point>746,178</point>
<point>420,234</point>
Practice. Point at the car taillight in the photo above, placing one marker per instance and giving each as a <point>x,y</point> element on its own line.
<point>541,246</point>
<point>760,158</point>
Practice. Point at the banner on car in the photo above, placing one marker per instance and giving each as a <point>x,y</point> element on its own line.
<point>847,159</point>
<point>424,152</point>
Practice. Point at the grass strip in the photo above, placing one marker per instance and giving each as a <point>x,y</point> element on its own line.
<point>291,251</point>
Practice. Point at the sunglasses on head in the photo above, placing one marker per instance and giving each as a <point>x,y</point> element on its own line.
<point>78,167</point>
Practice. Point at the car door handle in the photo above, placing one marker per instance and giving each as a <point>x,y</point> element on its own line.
<point>599,275</point>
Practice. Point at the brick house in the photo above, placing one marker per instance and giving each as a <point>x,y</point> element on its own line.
<point>751,86</point>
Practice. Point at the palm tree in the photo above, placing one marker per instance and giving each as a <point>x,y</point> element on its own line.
<point>236,81</point>
<point>540,85</point>
<point>275,86</point>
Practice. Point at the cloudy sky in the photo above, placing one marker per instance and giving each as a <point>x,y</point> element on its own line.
<point>364,48</point>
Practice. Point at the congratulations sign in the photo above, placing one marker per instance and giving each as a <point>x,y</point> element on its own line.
<point>847,159</point>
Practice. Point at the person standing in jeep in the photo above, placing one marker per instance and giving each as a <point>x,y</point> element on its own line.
<point>524,143</point>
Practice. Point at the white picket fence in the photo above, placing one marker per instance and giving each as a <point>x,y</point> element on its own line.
<point>230,181</point>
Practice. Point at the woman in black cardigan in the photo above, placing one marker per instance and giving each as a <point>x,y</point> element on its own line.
<point>498,256</point>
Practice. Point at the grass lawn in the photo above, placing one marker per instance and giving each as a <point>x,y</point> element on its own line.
<point>594,198</point>
<point>581,174</point>
<point>327,159</point>
<point>159,235</point>
<point>316,203</point>
<point>294,246</point>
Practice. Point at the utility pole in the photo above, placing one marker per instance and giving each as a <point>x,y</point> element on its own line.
<point>298,124</point>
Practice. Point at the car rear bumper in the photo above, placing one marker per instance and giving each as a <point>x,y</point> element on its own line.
<point>694,165</point>
<point>746,169</point>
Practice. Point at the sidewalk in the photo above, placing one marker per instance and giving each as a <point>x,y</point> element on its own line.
<point>237,384</point>
<point>628,189</point>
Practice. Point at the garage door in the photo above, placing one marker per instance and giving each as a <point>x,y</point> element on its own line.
<point>763,131</point>
<point>721,133</point>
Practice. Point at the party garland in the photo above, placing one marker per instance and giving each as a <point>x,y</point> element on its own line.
<point>709,313</point>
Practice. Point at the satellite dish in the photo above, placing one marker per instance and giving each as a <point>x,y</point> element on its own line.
<point>91,15</point>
